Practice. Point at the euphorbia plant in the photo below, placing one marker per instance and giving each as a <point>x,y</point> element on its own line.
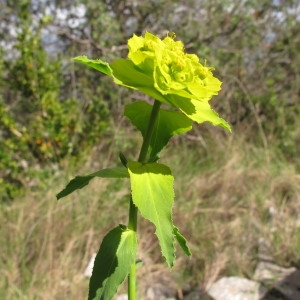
<point>161,69</point>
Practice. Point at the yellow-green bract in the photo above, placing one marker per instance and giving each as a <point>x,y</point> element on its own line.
<point>161,69</point>
<point>174,71</point>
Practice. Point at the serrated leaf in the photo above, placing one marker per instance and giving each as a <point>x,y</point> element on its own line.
<point>124,73</point>
<point>81,181</point>
<point>199,111</point>
<point>112,263</point>
<point>127,74</point>
<point>181,241</point>
<point>168,124</point>
<point>153,194</point>
<point>96,64</point>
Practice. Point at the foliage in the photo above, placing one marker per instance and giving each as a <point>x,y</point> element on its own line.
<point>251,42</point>
<point>115,257</point>
<point>12,147</point>
<point>39,125</point>
<point>228,196</point>
<point>161,69</point>
<point>254,46</point>
<point>169,123</point>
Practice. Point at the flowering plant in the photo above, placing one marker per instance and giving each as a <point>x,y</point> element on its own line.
<point>161,69</point>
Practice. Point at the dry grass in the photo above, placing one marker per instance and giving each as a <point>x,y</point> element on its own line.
<point>46,244</point>
<point>227,197</point>
<point>250,194</point>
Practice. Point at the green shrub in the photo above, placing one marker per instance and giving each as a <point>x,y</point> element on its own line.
<point>39,123</point>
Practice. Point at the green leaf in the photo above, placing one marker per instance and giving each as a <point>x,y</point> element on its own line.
<point>199,111</point>
<point>97,64</point>
<point>81,181</point>
<point>127,74</point>
<point>153,194</point>
<point>168,124</point>
<point>112,263</point>
<point>181,241</point>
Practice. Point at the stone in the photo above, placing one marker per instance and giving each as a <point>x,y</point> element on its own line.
<point>235,288</point>
<point>89,269</point>
<point>269,273</point>
<point>283,282</point>
<point>287,285</point>
<point>160,292</point>
<point>122,297</point>
<point>197,294</point>
<point>193,295</point>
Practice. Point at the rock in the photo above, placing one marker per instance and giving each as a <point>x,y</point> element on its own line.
<point>89,269</point>
<point>235,288</point>
<point>193,295</point>
<point>264,252</point>
<point>266,270</point>
<point>284,283</point>
<point>122,297</point>
<point>156,283</point>
<point>270,273</point>
<point>197,294</point>
<point>287,288</point>
<point>160,292</point>
<point>290,286</point>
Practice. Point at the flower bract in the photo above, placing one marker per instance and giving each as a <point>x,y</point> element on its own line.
<point>163,70</point>
<point>174,71</point>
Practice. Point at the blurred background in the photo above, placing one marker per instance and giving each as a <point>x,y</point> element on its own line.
<point>59,119</point>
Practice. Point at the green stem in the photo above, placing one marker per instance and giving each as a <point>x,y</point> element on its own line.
<point>132,283</point>
<point>133,211</point>
<point>149,132</point>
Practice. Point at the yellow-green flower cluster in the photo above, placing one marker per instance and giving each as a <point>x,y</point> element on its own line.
<point>173,70</point>
<point>161,69</point>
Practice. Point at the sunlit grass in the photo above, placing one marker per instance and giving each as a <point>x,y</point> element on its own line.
<point>228,195</point>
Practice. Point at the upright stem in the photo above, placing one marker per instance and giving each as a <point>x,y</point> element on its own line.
<point>149,132</point>
<point>133,211</point>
